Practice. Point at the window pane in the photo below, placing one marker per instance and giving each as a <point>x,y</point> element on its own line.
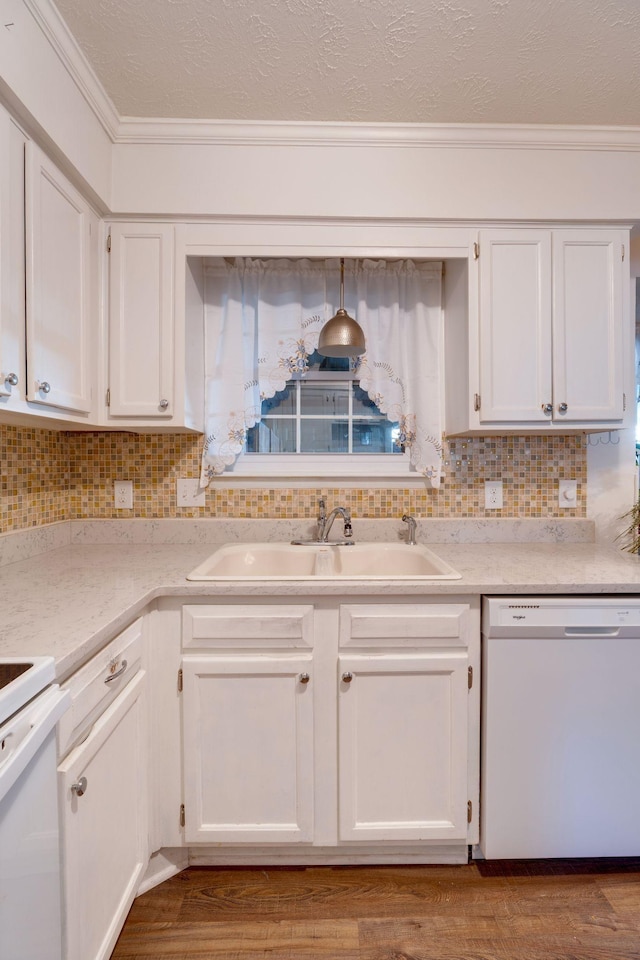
<point>272,435</point>
<point>374,436</point>
<point>324,436</point>
<point>363,405</point>
<point>329,399</point>
<point>283,402</point>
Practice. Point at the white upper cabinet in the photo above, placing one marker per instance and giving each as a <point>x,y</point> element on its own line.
<point>58,243</point>
<point>141,321</point>
<point>542,349</point>
<point>587,328</point>
<point>515,325</point>
<point>12,300</point>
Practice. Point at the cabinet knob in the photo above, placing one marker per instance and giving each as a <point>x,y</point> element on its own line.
<point>304,678</point>
<point>547,408</point>
<point>164,404</point>
<point>347,677</point>
<point>44,387</point>
<point>79,787</point>
<point>563,407</point>
<point>11,379</point>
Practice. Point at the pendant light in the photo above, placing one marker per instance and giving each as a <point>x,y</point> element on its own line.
<point>342,336</point>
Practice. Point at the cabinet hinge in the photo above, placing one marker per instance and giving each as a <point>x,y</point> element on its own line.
<point>180,681</point>
<point>108,398</point>
<point>108,243</point>
<point>476,251</point>
<point>623,251</point>
<point>470,677</point>
<point>624,402</point>
<point>476,402</point>
<point>182,814</point>
<point>469,811</point>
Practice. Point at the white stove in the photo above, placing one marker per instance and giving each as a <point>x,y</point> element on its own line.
<point>30,707</point>
<point>22,679</point>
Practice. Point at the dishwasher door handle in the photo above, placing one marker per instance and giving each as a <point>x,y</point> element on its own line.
<point>591,631</point>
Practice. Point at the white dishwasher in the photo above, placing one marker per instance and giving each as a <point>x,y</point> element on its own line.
<point>560,727</point>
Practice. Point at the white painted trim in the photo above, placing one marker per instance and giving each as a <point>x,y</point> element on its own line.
<point>330,134</point>
<point>163,865</point>
<point>296,466</point>
<point>75,63</point>
<point>167,130</point>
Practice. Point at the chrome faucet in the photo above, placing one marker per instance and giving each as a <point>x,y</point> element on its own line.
<point>411,531</point>
<point>325,522</point>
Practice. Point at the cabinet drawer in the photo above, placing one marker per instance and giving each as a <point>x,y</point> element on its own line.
<point>99,682</point>
<point>404,625</point>
<point>253,627</point>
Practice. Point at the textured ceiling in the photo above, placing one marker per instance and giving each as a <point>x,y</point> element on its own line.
<point>423,61</point>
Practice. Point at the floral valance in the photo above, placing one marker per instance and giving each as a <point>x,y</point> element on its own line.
<point>262,322</point>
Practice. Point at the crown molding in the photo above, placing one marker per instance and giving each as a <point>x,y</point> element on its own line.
<point>150,130</point>
<point>330,134</point>
<point>62,41</point>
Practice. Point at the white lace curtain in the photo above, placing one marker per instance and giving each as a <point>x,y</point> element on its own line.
<point>262,322</point>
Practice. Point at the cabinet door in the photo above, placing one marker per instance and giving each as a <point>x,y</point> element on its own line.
<point>587,325</point>
<point>403,746</point>
<point>141,326</point>
<point>248,749</point>
<point>104,831</point>
<point>515,325</point>
<point>58,321</point>
<point>12,302</point>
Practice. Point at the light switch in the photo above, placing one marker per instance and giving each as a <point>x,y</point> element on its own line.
<point>189,493</point>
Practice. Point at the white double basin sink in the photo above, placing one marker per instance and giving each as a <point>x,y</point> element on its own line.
<point>323,561</point>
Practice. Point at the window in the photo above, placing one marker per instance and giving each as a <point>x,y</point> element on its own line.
<point>275,408</point>
<point>324,411</point>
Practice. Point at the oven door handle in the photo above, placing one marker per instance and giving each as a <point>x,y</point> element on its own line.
<point>26,731</point>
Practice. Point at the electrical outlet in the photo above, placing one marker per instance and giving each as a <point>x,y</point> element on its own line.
<point>493,494</point>
<point>123,494</point>
<point>189,493</point>
<point>567,494</point>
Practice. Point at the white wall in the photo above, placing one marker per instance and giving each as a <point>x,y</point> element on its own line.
<point>42,94</point>
<point>245,174</point>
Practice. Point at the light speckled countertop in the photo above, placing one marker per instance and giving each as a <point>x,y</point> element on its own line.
<point>71,600</point>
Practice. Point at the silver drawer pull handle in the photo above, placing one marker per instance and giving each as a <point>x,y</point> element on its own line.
<point>79,787</point>
<point>44,387</point>
<point>563,407</point>
<point>164,404</point>
<point>347,677</point>
<point>304,678</point>
<point>547,408</point>
<point>11,379</point>
<point>114,676</point>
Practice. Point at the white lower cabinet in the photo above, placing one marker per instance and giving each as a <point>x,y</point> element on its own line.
<point>403,747</point>
<point>104,806</point>
<point>340,725</point>
<point>248,749</point>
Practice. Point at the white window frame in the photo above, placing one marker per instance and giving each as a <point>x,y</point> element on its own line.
<point>325,466</point>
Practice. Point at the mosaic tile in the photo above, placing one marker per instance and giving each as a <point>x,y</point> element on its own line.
<point>47,476</point>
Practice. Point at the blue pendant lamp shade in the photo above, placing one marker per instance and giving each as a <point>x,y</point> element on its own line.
<point>342,336</point>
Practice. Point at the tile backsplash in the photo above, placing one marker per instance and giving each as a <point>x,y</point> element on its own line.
<point>49,475</point>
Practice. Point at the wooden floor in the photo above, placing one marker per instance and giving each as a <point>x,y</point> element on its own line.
<point>510,910</point>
